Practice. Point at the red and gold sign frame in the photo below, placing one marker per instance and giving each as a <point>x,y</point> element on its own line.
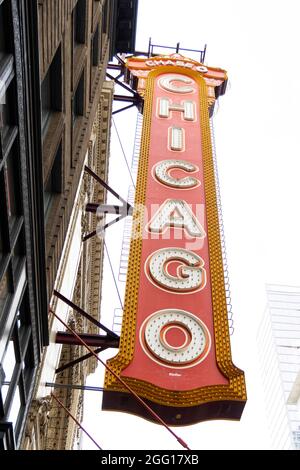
<point>206,384</point>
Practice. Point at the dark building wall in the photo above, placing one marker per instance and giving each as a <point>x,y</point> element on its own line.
<point>23,305</point>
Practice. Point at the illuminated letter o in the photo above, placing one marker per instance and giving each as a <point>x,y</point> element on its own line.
<point>175,337</point>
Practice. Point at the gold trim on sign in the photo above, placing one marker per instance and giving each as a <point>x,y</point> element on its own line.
<point>236,389</point>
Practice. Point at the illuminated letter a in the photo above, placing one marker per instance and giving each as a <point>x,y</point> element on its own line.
<point>176,213</point>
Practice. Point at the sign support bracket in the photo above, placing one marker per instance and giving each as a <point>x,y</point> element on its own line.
<point>123,210</point>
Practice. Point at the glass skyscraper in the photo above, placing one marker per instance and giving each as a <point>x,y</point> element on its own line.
<point>279,349</point>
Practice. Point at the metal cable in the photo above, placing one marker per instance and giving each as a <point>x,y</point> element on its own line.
<point>222,232</point>
<point>114,277</point>
<point>75,420</point>
<point>123,151</point>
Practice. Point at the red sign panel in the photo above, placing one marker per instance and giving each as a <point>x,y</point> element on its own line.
<point>175,349</point>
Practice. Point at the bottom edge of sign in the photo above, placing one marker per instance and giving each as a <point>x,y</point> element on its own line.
<point>173,416</point>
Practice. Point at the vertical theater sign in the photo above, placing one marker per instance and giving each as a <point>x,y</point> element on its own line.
<point>174,346</point>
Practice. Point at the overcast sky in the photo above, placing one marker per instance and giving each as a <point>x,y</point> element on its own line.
<point>258,152</point>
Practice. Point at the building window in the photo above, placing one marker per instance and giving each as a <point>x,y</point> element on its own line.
<point>3,34</point>
<point>95,58</point>
<point>15,405</point>
<point>105,18</point>
<point>51,91</point>
<point>8,111</point>
<point>23,315</point>
<point>8,367</point>
<point>78,99</point>
<point>95,48</point>
<point>3,225</point>
<point>104,26</point>
<point>17,254</point>
<point>5,290</point>
<point>46,100</point>
<point>11,264</point>
<point>12,186</point>
<point>6,437</point>
<point>6,43</point>
<point>8,115</point>
<point>54,182</point>
<point>79,22</point>
<point>17,368</point>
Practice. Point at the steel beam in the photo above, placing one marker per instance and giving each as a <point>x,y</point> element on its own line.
<point>67,365</point>
<point>126,87</point>
<point>75,387</point>
<point>127,99</point>
<point>105,185</point>
<point>115,66</point>
<point>108,209</point>
<point>116,111</point>
<point>102,229</point>
<point>85,314</point>
<point>64,337</point>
